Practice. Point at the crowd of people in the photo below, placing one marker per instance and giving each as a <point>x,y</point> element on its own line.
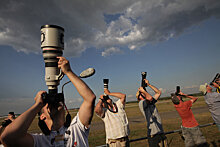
<point>57,132</point>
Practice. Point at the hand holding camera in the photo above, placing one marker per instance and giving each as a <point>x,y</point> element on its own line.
<point>141,89</point>
<point>215,80</point>
<point>143,82</point>
<point>39,98</point>
<point>106,91</point>
<point>64,65</point>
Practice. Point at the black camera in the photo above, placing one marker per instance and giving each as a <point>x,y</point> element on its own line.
<point>105,97</point>
<point>6,122</point>
<point>177,90</point>
<point>217,77</point>
<point>143,84</point>
<point>53,98</point>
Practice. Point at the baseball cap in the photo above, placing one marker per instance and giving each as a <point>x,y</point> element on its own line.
<point>202,88</point>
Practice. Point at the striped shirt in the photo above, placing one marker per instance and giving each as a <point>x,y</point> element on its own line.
<point>116,124</point>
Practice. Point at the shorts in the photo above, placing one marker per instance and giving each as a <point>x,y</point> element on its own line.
<point>193,136</point>
<point>158,140</point>
<point>120,142</point>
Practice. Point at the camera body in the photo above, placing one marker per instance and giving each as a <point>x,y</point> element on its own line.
<point>217,77</point>
<point>53,98</point>
<point>105,97</point>
<point>6,122</point>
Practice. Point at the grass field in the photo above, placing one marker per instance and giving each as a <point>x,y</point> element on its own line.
<point>170,119</point>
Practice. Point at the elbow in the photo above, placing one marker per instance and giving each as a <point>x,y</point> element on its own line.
<point>96,110</point>
<point>150,98</point>
<point>92,99</point>
<point>4,139</point>
<point>159,92</point>
<point>194,100</point>
<point>123,96</point>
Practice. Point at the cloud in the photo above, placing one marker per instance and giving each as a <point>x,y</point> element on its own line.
<point>110,51</point>
<point>122,24</point>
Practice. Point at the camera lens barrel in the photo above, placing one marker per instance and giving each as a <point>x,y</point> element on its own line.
<point>52,36</point>
<point>143,75</point>
<point>52,45</point>
<point>105,81</point>
<point>177,90</point>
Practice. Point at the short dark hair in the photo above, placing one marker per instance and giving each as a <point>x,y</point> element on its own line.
<point>175,99</point>
<point>12,113</point>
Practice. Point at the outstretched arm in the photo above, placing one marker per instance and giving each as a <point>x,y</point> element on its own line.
<point>99,107</point>
<point>87,107</point>
<point>216,85</point>
<point>192,98</point>
<point>145,94</point>
<point>15,134</point>
<point>157,91</point>
<point>119,95</point>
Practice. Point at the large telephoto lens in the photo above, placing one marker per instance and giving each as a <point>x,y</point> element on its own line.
<point>177,90</point>
<point>143,75</point>
<point>52,45</point>
<point>105,81</point>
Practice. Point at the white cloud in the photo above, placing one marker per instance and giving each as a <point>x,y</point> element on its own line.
<point>111,51</point>
<point>139,22</point>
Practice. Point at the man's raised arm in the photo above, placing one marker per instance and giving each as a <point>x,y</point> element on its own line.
<point>15,134</point>
<point>193,99</point>
<point>87,107</point>
<point>157,91</point>
<point>119,95</point>
<point>99,108</point>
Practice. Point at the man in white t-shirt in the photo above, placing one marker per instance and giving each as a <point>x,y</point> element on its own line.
<point>54,117</point>
<point>114,118</point>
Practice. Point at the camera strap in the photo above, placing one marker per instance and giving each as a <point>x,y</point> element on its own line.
<point>107,105</point>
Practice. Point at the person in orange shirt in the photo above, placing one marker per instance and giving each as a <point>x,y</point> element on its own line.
<point>190,127</point>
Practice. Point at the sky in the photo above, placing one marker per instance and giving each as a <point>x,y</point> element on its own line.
<point>176,42</point>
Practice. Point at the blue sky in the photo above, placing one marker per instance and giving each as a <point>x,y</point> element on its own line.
<point>175,43</point>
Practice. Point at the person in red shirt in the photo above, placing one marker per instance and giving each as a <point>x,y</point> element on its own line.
<point>190,127</point>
